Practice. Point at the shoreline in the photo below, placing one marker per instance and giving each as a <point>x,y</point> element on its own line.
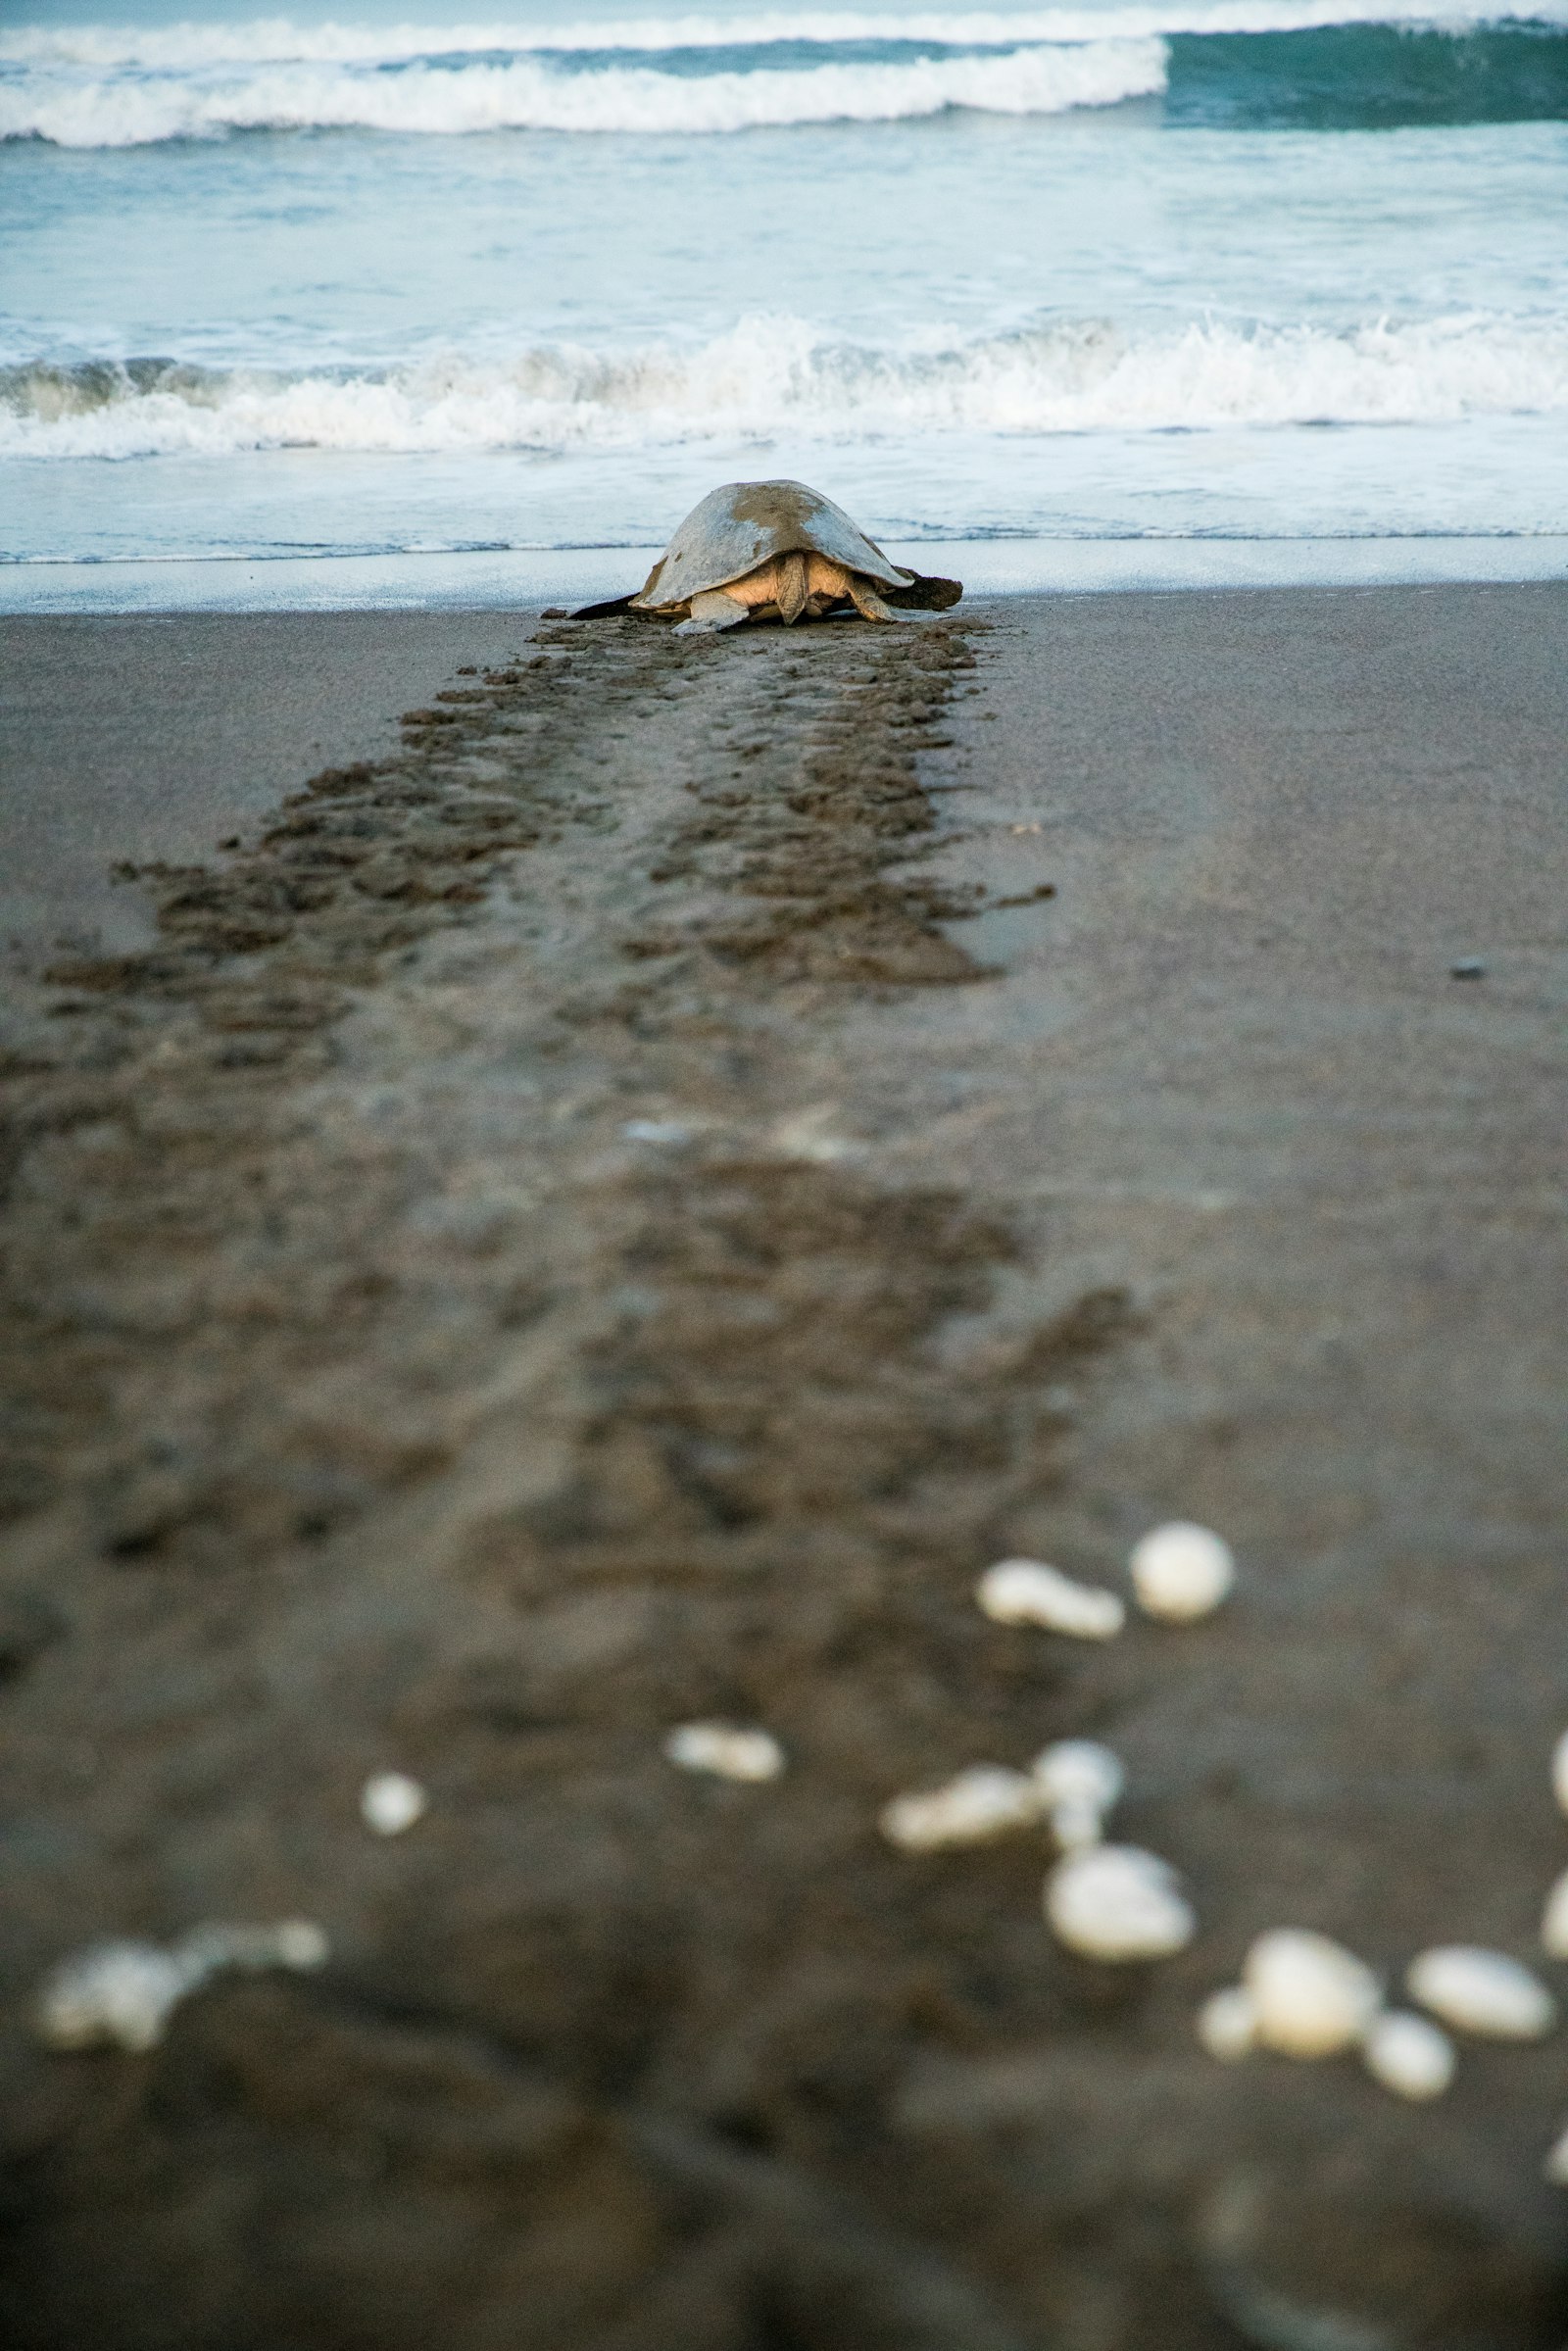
<point>608,1206</point>
<point>483,579</point>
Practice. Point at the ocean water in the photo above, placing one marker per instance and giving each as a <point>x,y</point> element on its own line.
<point>387,280</point>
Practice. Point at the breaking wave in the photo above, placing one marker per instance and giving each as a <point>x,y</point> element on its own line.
<point>528,95</point>
<point>1308,62</point>
<point>775,376</point>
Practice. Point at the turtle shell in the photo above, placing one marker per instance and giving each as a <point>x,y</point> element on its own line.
<point>749,522</point>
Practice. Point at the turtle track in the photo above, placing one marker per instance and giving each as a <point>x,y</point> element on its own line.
<point>227,1069</point>
<point>373,1394</point>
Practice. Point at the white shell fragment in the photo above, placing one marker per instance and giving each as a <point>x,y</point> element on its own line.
<point>390,1803</point>
<point>121,1995</point>
<point>1555,2166</point>
<point>728,1752</point>
<point>656,1130</point>
<point>1116,1902</point>
<point>1078,1781</point>
<point>1181,1572</point>
<point>1227,2024</point>
<point>1408,2054</point>
<point>116,1993</point>
<point>1554,1921</point>
<point>1559,1771</point>
<point>980,1803</point>
<point>1312,1997</point>
<point>298,1944</point>
<point>1481,1992</point>
<point>1025,1591</point>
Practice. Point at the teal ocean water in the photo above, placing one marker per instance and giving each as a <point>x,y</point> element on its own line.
<point>346,284</point>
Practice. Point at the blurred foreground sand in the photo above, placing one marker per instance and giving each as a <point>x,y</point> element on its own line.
<point>377,1398</point>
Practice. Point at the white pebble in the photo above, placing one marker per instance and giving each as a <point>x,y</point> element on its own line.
<point>1313,1997</point>
<point>294,1944</point>
<point>727,1751</point>
<point>656,1130</point>
<point>118,1993</point>
<point>1227,2024</point>
<point>301,1944</point>
<point>1408,2054</point>
<point>1076,1824</point>
<point>1115,1902</point>
<point>1555,2165</point>
<point>124,1994</point>
<point>1481,1992</point>
<point>1079,1780</point>
<point>980,1803</point>
<point>1079,1771</point>
<point>390,1803</point>
<point>1181,1572</point>
<point>1559,1771</point>
<point>1025,1591</point>
<point>1554,1921</point>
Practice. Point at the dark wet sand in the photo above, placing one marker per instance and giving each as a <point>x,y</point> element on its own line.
<point>378,1399</point>
<point>153,738</point>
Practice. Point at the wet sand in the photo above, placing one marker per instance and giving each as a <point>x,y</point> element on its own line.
<point>614,1208</point>
<point>148,736</point>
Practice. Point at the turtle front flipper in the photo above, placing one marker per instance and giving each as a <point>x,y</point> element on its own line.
<point>603,612</point>
<point>791,587</point>
<point>925,593</point>
<point>867,602</point>
<point>709,612</point>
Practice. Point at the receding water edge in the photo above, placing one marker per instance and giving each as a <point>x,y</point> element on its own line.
<point>540,575</point>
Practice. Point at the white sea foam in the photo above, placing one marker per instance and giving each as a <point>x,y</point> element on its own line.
<point>273,40</point>
<point>110,86</point>
<point>529,96</point>
<point>779,376</point>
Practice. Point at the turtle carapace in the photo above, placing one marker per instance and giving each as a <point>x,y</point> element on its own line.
<point>775,551</point>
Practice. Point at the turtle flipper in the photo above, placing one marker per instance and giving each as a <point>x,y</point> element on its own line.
<point>925,593</point>
<point>603,612</point>
<point>710,612</point>
<point>867,602</point>
<point>792,587</point>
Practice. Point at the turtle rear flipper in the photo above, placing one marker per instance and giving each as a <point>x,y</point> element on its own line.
<point>792,585</point>
<point>709,612</point>
<point>865,600</point>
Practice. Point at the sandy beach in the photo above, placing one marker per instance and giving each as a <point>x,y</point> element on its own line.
<point>637,1172</point>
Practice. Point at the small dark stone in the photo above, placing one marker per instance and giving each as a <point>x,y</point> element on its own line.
<point>1468,968</point>
<point>553,612</point>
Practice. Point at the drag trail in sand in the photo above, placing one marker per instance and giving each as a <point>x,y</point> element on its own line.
<point>615,1211</point>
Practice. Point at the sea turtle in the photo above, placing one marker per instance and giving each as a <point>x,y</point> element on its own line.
<point>773,551</point>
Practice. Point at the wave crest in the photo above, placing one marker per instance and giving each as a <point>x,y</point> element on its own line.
<point>774,376</point>
<point>528,96</point>
<point>1309,63</point>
